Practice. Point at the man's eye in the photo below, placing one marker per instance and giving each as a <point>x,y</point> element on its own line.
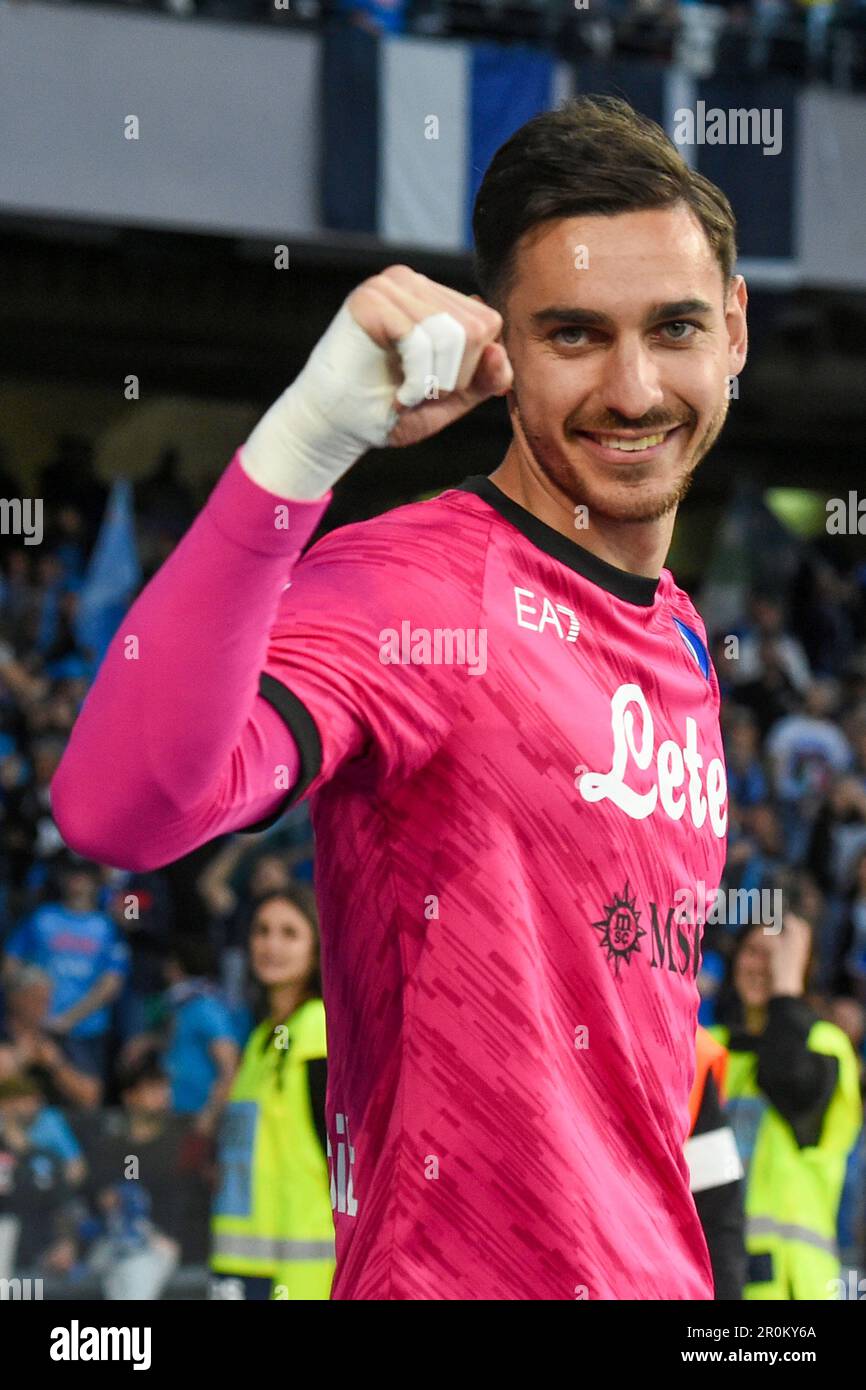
<point>691,329</point>
<point>560,331</point>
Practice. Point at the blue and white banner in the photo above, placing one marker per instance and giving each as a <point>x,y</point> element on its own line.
<point>411,125</point>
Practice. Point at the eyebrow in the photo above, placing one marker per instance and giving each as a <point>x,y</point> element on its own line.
<point>591,318</point>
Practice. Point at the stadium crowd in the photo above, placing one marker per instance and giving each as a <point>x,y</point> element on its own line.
<point>127,997</point>
<point>820,39</point>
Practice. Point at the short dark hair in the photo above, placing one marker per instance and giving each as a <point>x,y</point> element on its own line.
<point>147,1068</point>
<point>594,154</point>
<point>194,954</point>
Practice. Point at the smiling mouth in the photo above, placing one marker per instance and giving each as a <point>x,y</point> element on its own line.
<point>612,446</point>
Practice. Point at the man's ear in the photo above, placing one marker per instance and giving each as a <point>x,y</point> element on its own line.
<point>735,321</point>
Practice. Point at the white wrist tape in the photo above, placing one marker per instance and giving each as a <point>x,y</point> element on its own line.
<point>342,403</point>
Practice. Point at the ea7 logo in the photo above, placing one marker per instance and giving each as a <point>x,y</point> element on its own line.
<point>527,612</point>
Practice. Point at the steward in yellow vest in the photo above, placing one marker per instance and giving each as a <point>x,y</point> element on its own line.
<point>794,1105</point>
<point>272,1218</point>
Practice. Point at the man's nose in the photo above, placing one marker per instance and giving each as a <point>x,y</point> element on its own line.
<point>630,384</point>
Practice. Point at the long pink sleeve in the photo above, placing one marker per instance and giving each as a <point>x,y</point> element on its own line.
<point>173,744</point>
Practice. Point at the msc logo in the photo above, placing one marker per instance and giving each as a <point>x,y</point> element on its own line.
<point>621,932</point>
<point>527,611</point>
<point>620,929</point>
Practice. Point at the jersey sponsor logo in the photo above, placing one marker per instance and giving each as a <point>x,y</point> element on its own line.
<point>537,612</point>
<point>620,929</point>
<point>677,766</point>
<point>674,945</point>
<point>341,1169</point>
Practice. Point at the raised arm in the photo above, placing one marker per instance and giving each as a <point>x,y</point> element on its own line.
<point>174,745</point>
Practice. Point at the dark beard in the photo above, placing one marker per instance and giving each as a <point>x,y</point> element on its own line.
<point>567,482</point>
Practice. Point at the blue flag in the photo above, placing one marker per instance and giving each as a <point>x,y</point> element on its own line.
<point>113,573</point>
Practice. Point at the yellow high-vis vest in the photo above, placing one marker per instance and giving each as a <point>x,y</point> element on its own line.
<point>272,1213</point>
<point>793,1193</point>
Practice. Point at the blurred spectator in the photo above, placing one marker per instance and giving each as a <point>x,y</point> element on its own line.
<point>142,907</point>
<point>37,1214</point>
<point>767,622</point>
<point>724,664</point>
<point>273,1230</point>
<point>31,838</point>
<point>769,18</point>
<point>855,730</point>
<point>201,1048</point>
<point>794,1103</point>
<point>27,1048</point>
<point>853,934</point>
<point>772,693</point>
<point>747,784</point>
<point>805,750</point>
<point>142,1143</point>
<point>825,603</point>
<point>838,835</point>
<point>757,859</point>
<point>819,14</point>
<point>239,874</point>
<point>700,28</point>
<point>850,1016</point>
<point>134,1259</point>
<point>46,1125</point>
<point>79,949</point>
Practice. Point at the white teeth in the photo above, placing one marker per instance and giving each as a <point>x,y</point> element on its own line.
<point>631,446</point>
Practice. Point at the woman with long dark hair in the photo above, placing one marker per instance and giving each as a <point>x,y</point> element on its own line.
<point>272,1226</point>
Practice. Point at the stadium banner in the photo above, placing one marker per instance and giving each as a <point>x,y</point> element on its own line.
<point>350,130</point>
<point>831,192</point>
<point>409,125</point>
<point>745,133</point>
<point>423,129</point>
<point>643,85</point>
<point>509,86</point>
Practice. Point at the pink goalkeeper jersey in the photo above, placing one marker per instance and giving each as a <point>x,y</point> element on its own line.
<point>520,768</point>
<point>515,768</point>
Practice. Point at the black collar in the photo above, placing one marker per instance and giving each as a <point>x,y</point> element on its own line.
<point>633,588</point>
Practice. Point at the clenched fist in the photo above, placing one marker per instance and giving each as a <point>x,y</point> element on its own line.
<point>442,349</point>
<point>402,359</point>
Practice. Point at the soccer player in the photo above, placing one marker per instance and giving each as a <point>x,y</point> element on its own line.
<point>502,708</point>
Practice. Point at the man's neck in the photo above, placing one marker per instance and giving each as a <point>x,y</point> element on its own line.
<point>636,548</point>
